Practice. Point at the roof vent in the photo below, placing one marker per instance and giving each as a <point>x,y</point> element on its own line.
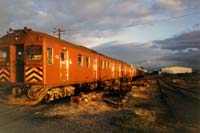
<point>10,31</point>
<point>26,29</point>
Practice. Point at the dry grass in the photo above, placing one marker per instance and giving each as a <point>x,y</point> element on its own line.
<point>88,104</point>
<point>142,113</point>
<point>23,100</point>
<point>77,109</point>
<point>146,114</point>
<point>141,96</point>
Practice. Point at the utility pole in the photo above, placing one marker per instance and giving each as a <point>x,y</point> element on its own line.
<point>58,32</point>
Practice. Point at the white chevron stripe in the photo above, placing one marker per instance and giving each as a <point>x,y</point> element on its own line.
<point>39,72</point>
<point>34,75</point>
<point>33,80</point>
<point>4,70</point>
<point>4,76</point>
<point>3,80</point>
<point>34,69</point>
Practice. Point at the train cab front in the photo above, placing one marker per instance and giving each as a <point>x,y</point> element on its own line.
<point>21,62</point>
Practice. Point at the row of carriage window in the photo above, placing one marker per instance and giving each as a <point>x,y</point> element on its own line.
<point>103,64</point>
<point>80,61</point>
<point>63,57</point>
<point>34,52</point>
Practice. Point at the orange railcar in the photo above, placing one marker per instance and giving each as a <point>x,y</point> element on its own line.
<point>46,67</point>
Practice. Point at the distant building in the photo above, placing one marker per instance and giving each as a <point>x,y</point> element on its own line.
<point>143,69</point>
<point>176,70</point>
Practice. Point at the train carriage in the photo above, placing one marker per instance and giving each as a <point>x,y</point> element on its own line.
<point>48,68</point>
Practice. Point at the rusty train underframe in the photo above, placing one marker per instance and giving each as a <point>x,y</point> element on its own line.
<point>38,93</point>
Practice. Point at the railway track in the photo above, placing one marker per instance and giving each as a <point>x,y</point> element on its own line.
<point>17,113</point>
<point>189,94</point>
<point>10,114</point>
<point>166,101</point>
<point>179,101</point>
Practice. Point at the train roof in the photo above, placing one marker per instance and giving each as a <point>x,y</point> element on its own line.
<point>75,45</point>
<point>26,31</point>
<point>64,41</point>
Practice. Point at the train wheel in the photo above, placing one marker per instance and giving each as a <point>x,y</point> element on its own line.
<point>30,94</point>
<point>16,91</point>
<point>47,99</point>
<point>35,92</point>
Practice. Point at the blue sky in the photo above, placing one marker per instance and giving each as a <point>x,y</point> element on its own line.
<point>112,22</point>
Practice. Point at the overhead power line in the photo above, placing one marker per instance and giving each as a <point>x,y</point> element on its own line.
<point>165,19</point>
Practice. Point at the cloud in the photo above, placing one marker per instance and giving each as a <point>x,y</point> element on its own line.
<point>185,51</point>
<point>196,26</point>
<point>133,53</point>
<point>90,18</point>
<point>92,22</point>
<point>188,59</point>
<point>170,5</point>
<point>140,54</point>
<point>136,7</point>
<point>89,41</point>
<point>189,40</point>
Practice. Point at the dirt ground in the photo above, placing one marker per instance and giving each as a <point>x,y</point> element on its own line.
<point>143,112</point>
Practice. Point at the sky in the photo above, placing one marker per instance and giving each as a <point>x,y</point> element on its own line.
<point>166,32</point>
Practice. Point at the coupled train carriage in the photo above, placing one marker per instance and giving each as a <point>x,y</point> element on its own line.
<point>45,67</point>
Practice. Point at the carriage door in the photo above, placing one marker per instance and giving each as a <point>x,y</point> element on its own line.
<point>64,65</point>
<point>113,70</point>
<point>95,68</point>
<point>20,63</point>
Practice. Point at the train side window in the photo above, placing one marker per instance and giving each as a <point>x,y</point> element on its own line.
<point>80,60</point>
<point>106,65</point>
<point>62,56</point>
<point>50,55</point>
<point>87,62</point>
<point>32,52</point>
<point>3,55</point>
<point>102,64</point>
